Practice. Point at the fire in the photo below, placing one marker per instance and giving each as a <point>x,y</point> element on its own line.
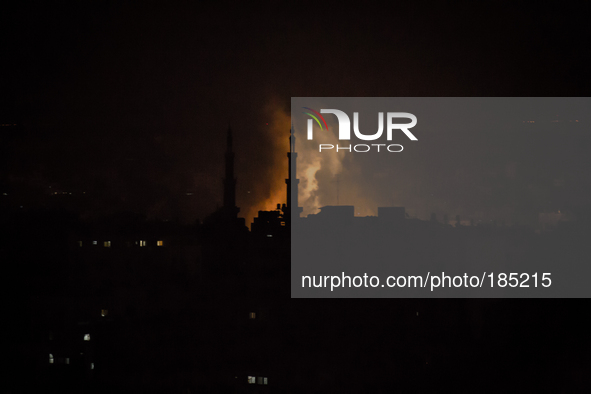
<point>317,171</point>
<point>277,134</point>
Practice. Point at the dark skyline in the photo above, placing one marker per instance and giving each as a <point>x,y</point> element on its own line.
<point>132,103</point>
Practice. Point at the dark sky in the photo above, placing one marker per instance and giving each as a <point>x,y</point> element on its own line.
<point>132,102</point>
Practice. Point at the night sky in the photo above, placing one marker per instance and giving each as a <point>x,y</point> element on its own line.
<point>130,103</point>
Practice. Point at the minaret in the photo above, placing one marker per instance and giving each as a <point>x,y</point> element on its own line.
<point>292,195</point>
<point>230,207</point>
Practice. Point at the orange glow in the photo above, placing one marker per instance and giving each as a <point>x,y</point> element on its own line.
<point>277,129</point>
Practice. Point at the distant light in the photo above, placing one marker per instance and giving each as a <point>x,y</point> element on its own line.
<point>159,243</point>
<point>50,358</point>
<point>107,244</point>
<point>87,337</point>
<point>104,312</point>
<point>252,380</point>
<point>269,236</point>
<point>142,243</point>
<point>94,242</point>
<point>91,365</point>
<point>67,361</point>
<point>253,315</point>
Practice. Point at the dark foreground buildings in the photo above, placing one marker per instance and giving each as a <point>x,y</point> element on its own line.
<point>121,304</point>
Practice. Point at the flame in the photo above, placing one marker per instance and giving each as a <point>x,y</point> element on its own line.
<point>317,171</point>
<point>277,132</point>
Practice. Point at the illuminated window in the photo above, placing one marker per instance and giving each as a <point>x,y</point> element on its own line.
<point>92,367</point>
<point>87,337</point>
<point>104,312</point>
<point>159,243</point>
<point>259,380</point>
<point>253,315</point>
<point>251,380</point>
<point>94,242</point>
<point>67,360</point>
<point>50,358</point>
<point>107,244</point>
<point>265,381</point>
<point>80,243</point>
<point>142,243</point>
<point>269,236</point>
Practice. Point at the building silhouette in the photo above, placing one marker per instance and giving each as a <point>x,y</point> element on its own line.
<point>293,208</point>
<point>124,304</point>
<point>226,219</point>
<point>278,222</point>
